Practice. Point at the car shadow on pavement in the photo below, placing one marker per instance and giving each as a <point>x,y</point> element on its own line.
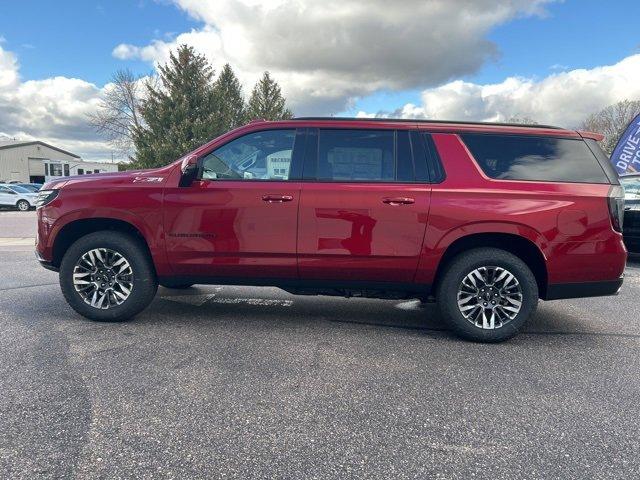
<point>411,315</point>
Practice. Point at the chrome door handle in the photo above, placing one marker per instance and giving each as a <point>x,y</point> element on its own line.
<point>398,201</point>
<point>277,198</point>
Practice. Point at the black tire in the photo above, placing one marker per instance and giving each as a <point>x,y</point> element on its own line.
<point>464,264</point>
<point>23,205</point>
<point>176,286</point>
<point>144,279</point>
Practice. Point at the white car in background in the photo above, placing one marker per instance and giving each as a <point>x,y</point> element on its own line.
<point>16,196</point>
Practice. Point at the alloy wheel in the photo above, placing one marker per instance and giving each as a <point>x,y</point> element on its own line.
<point>489,297</point>
<point>103,278</point>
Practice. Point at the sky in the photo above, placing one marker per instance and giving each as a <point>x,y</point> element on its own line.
<point>551,61</point>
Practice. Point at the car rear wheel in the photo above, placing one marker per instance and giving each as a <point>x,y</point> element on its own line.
<point>107,276</point>
<point>23,205</point>
<point>487,295</point>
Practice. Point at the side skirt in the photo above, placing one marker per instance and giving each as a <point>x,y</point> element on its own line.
<point>342,288</point>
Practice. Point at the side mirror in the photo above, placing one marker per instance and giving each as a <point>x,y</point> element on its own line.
<point>189,169</point>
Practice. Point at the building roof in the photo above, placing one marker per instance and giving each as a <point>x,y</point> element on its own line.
<point>23,143</point>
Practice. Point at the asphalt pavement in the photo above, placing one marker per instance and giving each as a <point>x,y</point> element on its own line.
<point>237,382</point>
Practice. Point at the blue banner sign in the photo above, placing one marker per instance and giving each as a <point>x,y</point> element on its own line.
<point>626,157</point>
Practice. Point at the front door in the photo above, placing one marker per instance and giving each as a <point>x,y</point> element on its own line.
<point>240,218</point>
<point>363,209</point>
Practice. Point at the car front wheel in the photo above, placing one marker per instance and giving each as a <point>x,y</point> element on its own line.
<point>107,276</point>
<point>23,205</point>
<point>487,295</point>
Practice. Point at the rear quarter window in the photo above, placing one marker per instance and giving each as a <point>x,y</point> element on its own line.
<point>549,159</point>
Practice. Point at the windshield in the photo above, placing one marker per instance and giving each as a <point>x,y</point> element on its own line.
<point>19,189</point>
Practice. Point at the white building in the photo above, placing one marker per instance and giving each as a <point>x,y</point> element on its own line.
<point>39,162</point>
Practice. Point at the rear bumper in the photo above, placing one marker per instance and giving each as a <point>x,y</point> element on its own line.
<point>584,289</point>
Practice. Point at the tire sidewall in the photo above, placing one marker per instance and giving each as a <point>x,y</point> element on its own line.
<point>23,202</point>
<point>463,265</point>
<point>144,278</point>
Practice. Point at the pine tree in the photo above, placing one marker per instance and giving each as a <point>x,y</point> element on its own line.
<point>179,112</point>
<point>230,99</point>
<point>266,101</point>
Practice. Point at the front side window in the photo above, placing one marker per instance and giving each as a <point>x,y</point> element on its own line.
<point>264,155</point>
<point>356,155</point>
<point>519,157</point>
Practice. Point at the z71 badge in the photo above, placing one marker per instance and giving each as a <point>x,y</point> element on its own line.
<point>148,179</point>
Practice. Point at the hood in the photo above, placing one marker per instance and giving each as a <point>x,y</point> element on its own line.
<point>148,177</point>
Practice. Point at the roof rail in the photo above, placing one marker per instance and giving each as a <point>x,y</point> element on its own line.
<point>418,120</point>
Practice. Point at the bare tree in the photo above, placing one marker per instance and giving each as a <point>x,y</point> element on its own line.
<point>118,113</point>
<point>611,122</point>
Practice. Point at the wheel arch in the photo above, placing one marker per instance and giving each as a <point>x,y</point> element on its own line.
<point>76,229</point>
<point>520,246</point>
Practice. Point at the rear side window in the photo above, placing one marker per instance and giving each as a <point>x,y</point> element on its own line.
<point>518,157</point>
<point>359,155</point>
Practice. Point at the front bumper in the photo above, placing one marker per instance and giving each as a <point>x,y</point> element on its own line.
<point>583,289</point>
<point>46,264</point>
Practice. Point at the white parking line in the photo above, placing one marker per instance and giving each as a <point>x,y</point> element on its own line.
<point>17,241</point>
<point>199,300</point>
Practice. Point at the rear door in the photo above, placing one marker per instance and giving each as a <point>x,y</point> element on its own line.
<point>240,219</point>
<point>364,206</point>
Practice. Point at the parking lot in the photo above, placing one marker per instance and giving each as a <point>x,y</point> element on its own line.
<point>230,382</point>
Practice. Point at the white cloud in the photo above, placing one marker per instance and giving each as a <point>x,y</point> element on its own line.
<point>564,99</point>
<point>328,53</point>
<point>53,110</point>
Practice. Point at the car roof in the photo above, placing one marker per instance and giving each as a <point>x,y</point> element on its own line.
<point>428,122</point>
<point>443,126</point>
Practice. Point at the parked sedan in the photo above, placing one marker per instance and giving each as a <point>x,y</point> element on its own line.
<point>631,184</point>
<point>17,196</point>
<point>32,187</point>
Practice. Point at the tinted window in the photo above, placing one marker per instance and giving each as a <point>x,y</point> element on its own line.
<point>516,157</point>
<point>357,155</point>
<point>19,189</point>
<point>606,165</point>
<point>257,156</point>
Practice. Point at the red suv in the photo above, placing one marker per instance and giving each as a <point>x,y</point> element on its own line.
<point>483,218</point>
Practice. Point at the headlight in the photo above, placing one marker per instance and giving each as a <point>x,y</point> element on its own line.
<point>45,196</point>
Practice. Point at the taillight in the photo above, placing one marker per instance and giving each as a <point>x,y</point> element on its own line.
<point>616,207</point>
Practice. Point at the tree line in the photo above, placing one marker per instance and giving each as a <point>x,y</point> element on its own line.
<point>158,119</point>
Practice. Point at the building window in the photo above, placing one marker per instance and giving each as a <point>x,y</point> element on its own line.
<point>46,169</point>
<point>81,171</point>
<point>96,171</point>
<point>66,169</point>
<point>55,170</point>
